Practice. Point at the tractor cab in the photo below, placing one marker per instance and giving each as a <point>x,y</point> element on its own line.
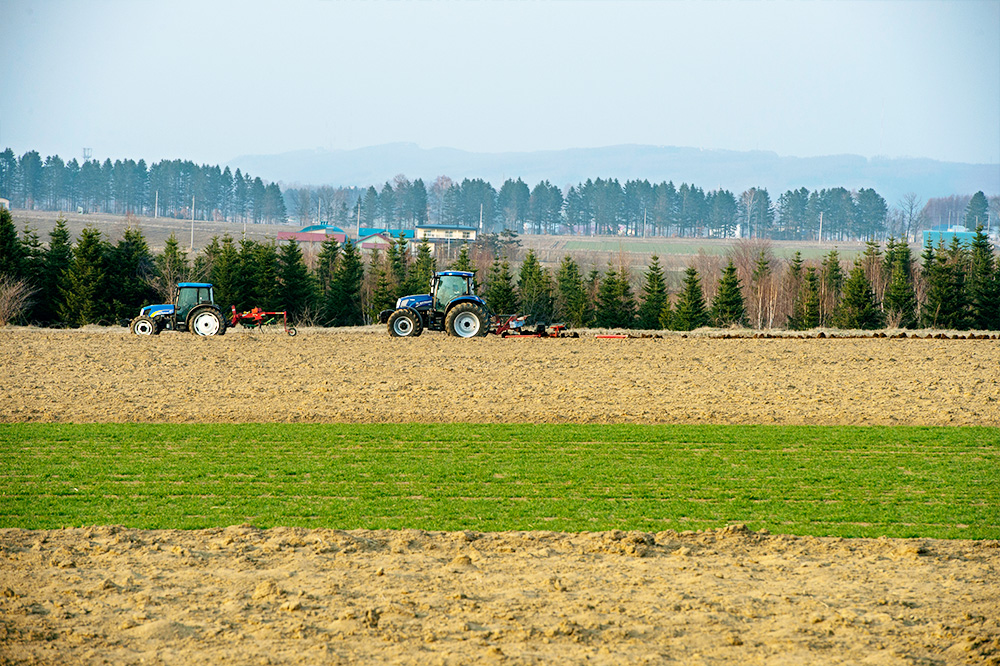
<point>190,295</point>
<point>446,286</point>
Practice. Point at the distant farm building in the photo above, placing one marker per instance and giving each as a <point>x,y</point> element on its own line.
<point>364,232</point>
<point>944,233</point>
<point>377,242</point>
<point>446,233</point>
<point>5,203</point>
<point>316,233</point>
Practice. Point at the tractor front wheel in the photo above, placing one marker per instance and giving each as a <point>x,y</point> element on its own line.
<point>405,324</point>
<point>208,322</point>
<point>467,320</point>
<point>143,325</point>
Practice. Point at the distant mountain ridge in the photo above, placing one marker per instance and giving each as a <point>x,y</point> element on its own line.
<point>709,169</point>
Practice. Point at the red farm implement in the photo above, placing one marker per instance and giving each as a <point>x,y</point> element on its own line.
<point>262,320</point>
<point>516,326</point>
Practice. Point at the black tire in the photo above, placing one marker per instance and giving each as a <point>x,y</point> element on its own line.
<point>467,320</point>
<point>143,325</point>
<point>292,332</point>
<point>405,324</point>
<point>207,322</point>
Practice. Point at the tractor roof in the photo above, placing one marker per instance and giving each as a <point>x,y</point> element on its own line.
<point>193,284</point>
<point>465,274</point>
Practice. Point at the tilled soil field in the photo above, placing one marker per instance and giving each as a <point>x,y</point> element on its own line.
<point>241,595</point>
<point>108,375</point>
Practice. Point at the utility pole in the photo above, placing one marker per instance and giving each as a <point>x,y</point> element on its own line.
<point>192,223</point>
<point>820,227</point>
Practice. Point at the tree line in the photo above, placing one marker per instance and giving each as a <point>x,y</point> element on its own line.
<point>95,280</point>
<point>168,188</point>
<point>593,207</point>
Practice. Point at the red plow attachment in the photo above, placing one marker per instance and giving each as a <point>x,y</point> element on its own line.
<point>257,318</point>
<point>514,326</point>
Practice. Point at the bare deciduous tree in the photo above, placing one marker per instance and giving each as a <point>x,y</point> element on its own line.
<point>15,297</point>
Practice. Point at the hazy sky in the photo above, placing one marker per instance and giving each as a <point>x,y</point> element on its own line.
<point>208,80</point>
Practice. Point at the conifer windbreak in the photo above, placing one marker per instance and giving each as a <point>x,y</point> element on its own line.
<point>84,286</point>
<point>572,302</point>
<point>690,312</point>
<point>11,248</point>
<point>615,303</point>
<point>983,284</point>
<point>343,304</point>
<point>805,312</point>
<point>654,297</point>
<point>728,308</point>
<point>463,262</point>
<point>534,287</point>
<point>296,285</point>
<point>858,309</point>
<point>500,295</point>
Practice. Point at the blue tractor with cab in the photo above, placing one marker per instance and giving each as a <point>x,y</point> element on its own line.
<point>452,305</point>
<point>193,309</point>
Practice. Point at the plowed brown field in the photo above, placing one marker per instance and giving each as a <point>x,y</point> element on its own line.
<point>240,595</point>
<point>365,376</point>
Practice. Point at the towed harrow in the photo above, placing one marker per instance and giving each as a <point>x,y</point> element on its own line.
<point>516,326</point>
<point>261,320</point>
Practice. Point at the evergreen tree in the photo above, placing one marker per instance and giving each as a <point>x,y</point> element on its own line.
<point>463,262</point>
<point>831,285</point>
<point>55,265</point>
<point>858,308</point>
<point>615,304</point>
<point>296,287</point>
<point>171,268</point>
<point>11,250</point>
<point>396,258</point>
<point>654,296</point>
<point>225,272</point>
<point>83,286</point>
<point>32,269</point>
<point>900,303</point>
<point>383,296</point>
<point>690,312</point>
<point>805,312</point>
<point>32,254</point>
<point>423,269</point>
<point>977,212</point>
<point>500,295</point>
<point>572,303</point>
<point>130,270</point>
<point>727,307</point>
<point>326,264</point>
<point>342,306</point>
<point>257,276</point>
<point>666,315</point>
<point>265,276</point>
<point>534,287</point>
<point>983,284</point>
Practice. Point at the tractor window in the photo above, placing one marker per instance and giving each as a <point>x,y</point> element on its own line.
<point>449,287</point>
<point>186,299</point>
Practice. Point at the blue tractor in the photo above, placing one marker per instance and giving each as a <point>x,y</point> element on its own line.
<point>452,306</point>
<point>193,309</point>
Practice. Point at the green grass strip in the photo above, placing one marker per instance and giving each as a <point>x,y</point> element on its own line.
<point>838,481</point>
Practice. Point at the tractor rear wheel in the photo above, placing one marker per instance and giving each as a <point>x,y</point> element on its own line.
<point>467,320</point>
<point>208,322</point>
<point>405,324</point>
<point>143,325</point>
